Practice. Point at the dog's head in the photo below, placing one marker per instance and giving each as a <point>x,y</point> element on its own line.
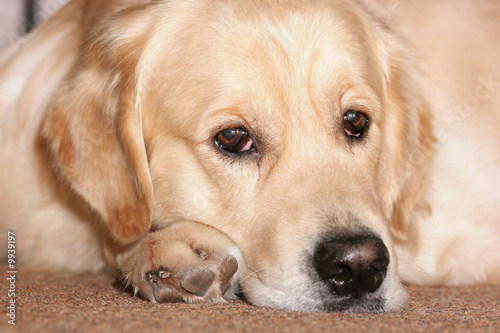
<point>294,127</point>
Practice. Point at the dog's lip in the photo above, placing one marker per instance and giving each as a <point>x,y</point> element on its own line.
<point>311,299</point>
<point>312,304</point>
<point>371,303</point>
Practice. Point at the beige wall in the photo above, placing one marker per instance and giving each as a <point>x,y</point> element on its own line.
<point>11,17</point>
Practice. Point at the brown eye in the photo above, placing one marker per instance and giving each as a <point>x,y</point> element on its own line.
<point>234,140</point>
<point>355,123</point>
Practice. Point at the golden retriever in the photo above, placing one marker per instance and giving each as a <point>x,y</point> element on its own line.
<point>309,155</point>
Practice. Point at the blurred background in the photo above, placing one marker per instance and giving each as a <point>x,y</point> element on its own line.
<point>19,16</point>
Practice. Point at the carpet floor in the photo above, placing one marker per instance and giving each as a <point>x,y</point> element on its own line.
<point>96,303</point>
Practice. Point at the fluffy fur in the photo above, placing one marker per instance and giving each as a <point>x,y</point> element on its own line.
<point>110,109</point>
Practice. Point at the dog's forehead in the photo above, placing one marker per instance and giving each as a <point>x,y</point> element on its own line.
<point>266,58</point>
<point>277,46</point>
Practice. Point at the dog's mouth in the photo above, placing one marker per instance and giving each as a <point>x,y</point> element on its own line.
<point>320,301</point>
<point>367,303</point>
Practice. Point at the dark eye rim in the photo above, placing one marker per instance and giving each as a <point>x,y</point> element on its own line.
<point>351,131</point>
<point>226,150</point>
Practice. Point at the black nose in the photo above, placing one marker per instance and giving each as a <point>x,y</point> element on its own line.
<point>352,266</point>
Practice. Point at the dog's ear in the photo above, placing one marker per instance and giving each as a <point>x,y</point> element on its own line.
<point>408,146</point>
<point>93,130</point>
<point>411,172</point>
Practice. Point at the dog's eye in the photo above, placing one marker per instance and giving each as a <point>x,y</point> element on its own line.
<point>355,123</point>
<point>235,140</point>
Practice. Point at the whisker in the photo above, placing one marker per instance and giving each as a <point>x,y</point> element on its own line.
<point>415,265</point>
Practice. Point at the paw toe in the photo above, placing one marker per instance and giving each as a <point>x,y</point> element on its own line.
<point>196,280</point>
<point>228,265</point>
<point>166,294</point>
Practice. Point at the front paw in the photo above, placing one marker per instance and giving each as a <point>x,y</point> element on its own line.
<point>185,262</point>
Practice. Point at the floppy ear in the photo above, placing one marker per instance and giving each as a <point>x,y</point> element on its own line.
<point>94,133</point>
<point>409,145</point>
<point>411,174</point>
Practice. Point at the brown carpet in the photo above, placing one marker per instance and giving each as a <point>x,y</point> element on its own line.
<point>96,303</point>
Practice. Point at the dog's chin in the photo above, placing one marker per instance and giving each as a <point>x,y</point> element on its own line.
<point>314,296</point>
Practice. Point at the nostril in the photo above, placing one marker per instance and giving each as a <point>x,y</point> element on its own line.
<point>341,274</point>
<point>353,266</point>
<point>341,278</point>
<point>382,263</point>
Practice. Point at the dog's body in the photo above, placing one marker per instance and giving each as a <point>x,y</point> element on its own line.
<point>116,150</point>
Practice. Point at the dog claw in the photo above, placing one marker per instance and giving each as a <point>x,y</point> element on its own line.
<point>197,280</point>
<point>152,277</point>
<point>164,274</point>
<point>201,254</point>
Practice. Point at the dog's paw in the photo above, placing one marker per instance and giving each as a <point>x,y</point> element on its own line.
<point>198,283</point>
<point>185,262</point>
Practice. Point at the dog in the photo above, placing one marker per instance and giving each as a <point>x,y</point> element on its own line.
<point>305,155</point>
